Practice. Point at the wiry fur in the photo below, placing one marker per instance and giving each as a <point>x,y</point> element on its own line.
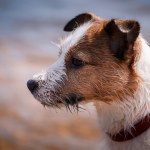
<point>115,76</point>
<point>51,80</point>
<point>124,115</point>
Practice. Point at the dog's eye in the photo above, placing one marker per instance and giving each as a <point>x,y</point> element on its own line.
<point>77,63</point>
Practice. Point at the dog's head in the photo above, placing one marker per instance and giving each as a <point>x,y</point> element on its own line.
<point>96,62</point>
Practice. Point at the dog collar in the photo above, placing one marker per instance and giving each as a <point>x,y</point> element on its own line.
<point>134,131</point>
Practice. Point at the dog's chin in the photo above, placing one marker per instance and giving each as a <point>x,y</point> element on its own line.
<point>69,101</point>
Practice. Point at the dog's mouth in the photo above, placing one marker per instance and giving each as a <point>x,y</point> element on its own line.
<point>70,101</point>
<point>54,98</point>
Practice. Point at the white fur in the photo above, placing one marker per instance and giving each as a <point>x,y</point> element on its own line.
<point>112,118</point>
<point>125,114</point>
<point>75,37</point>
<point>49,80</point>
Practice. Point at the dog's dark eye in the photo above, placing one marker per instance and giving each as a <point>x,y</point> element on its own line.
<point>77,63</point>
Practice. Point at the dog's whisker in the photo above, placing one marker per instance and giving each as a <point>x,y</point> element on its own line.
<point>55,44</point>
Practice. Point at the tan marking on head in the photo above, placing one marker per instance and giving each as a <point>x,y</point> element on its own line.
<point>104,77</point>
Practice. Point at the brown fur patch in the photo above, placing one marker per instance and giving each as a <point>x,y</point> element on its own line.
<point>103,77</point>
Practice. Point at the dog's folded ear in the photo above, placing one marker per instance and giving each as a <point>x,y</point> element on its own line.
<point>122,35</point>
<point>77,21</point>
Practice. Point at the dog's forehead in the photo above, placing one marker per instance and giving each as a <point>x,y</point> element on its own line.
<point>74,38</point>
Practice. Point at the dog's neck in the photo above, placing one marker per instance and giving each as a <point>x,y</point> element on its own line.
<point>124,115</point>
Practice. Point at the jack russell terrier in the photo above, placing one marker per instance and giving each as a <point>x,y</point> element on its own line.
<point>106,62</point>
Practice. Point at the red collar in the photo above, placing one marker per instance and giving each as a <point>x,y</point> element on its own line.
<point>135,131</point>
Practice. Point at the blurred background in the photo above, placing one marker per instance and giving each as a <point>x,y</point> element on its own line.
<point>26,29</point>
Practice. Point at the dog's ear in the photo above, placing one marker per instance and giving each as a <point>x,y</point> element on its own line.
<point>77,21</point>
<point>122,36</point>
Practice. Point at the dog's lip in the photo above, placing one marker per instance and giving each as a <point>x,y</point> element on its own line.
<point>68,101</point>
<point>73,99</point>
<point>59,102</point>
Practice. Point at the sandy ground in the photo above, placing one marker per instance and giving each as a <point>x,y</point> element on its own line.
<point>26,29</point>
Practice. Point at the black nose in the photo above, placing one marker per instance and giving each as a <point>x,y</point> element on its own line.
<point>32,85</point>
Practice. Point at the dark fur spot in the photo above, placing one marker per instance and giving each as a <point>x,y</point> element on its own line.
<point>77,21</point>
<point>122,36</point>
<point>73,99</point>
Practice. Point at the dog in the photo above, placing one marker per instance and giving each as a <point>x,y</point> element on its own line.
<point>107,62</point>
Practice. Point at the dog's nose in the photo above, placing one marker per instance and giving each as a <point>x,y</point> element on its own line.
<point>32,85</point>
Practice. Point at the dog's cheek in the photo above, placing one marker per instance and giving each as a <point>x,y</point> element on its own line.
<point>80,82</point>
<point>102,84</point>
